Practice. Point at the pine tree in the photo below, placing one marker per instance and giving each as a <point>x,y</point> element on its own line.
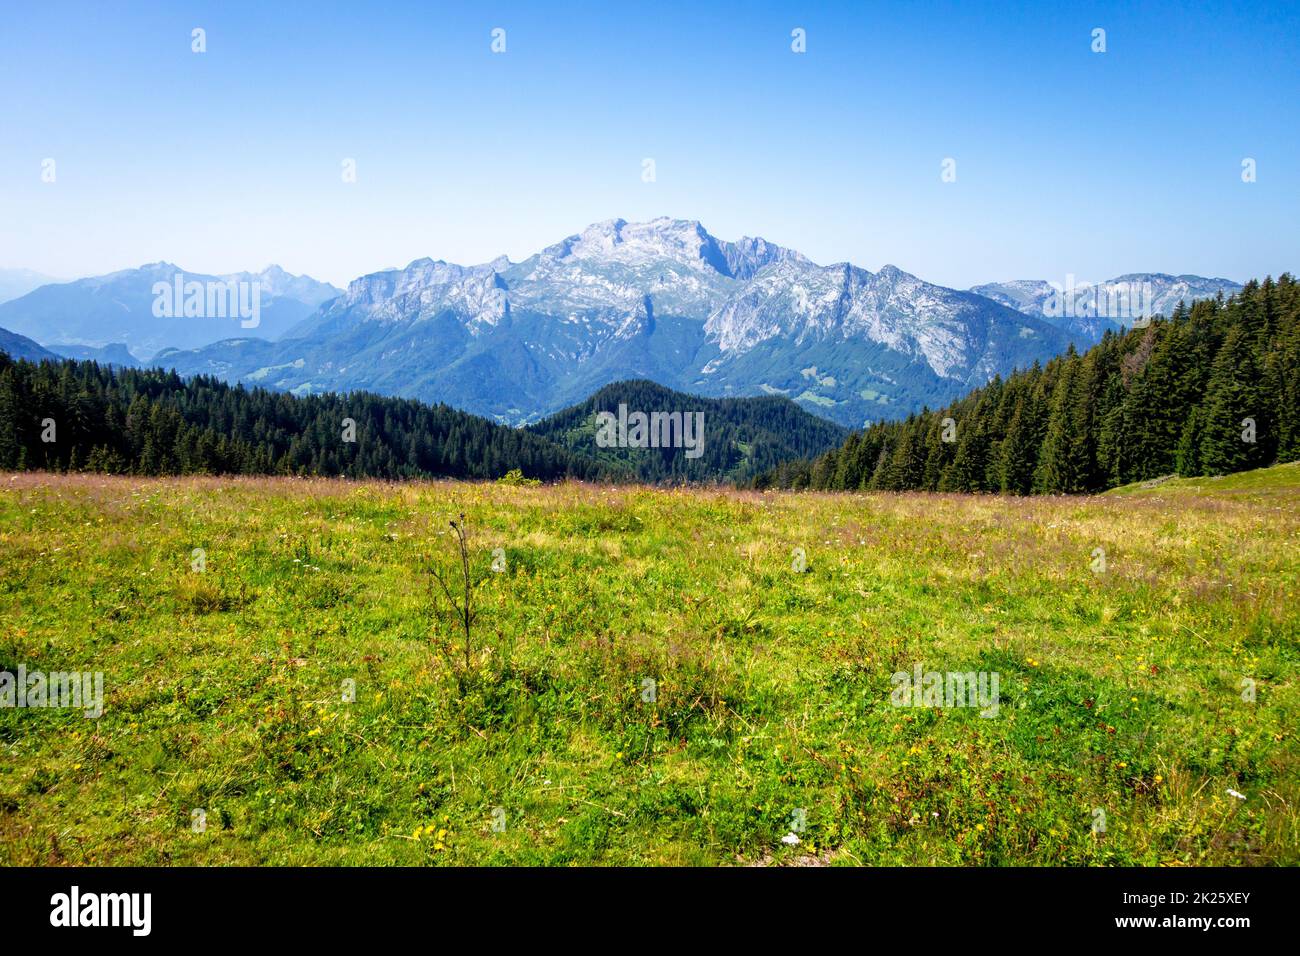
<point>1019,452</point>
<point>1229,437</point>
<point>1187,463</point>
<point>1058,466</point>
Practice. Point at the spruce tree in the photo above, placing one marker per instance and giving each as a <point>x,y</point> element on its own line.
<point>1230,433</point>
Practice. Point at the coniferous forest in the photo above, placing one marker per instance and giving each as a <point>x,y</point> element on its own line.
<point>81,416</point>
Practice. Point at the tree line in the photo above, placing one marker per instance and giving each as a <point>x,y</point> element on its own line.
<point>81,416</point>
<point>1212,389</point>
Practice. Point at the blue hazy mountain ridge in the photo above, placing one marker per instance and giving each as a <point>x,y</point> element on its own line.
<point>21,347</point>
<point>18,282</point>
<point>120,308</point>
<point>116,354</point>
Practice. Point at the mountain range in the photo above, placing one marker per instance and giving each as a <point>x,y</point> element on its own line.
<point>119,308</point>
<point>1086,310</point>
<point>662,300</point>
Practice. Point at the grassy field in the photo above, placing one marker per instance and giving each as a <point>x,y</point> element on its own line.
<point>1121,729</point>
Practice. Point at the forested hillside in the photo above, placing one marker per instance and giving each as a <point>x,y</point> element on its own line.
<point>742,437</point>
<point>1210,390</point>
<point>74,416</point>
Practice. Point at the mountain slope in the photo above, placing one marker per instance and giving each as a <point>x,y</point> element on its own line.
<point>115,354</point>
<point>1214,389</point>
<point>18,282</point>
<point>738,438</point>
<point>663,300</point>
<point>120,307</point>
<point>861,346</point>
<point>20,347</point>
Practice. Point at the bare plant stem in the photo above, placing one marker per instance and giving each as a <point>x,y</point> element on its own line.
<point>463,610</point>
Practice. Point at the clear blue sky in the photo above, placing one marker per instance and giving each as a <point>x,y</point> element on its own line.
<point>1068,161</point>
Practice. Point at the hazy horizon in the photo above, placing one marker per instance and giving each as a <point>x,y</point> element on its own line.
<point>261,267</point>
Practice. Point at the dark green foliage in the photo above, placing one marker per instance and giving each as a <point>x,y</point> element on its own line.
<point>743,437</point>
<point>1186,394</point>
<point>155,423</point>
<point>1233,398</point>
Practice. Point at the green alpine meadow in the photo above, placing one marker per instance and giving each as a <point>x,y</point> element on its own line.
<point>313,671</point>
